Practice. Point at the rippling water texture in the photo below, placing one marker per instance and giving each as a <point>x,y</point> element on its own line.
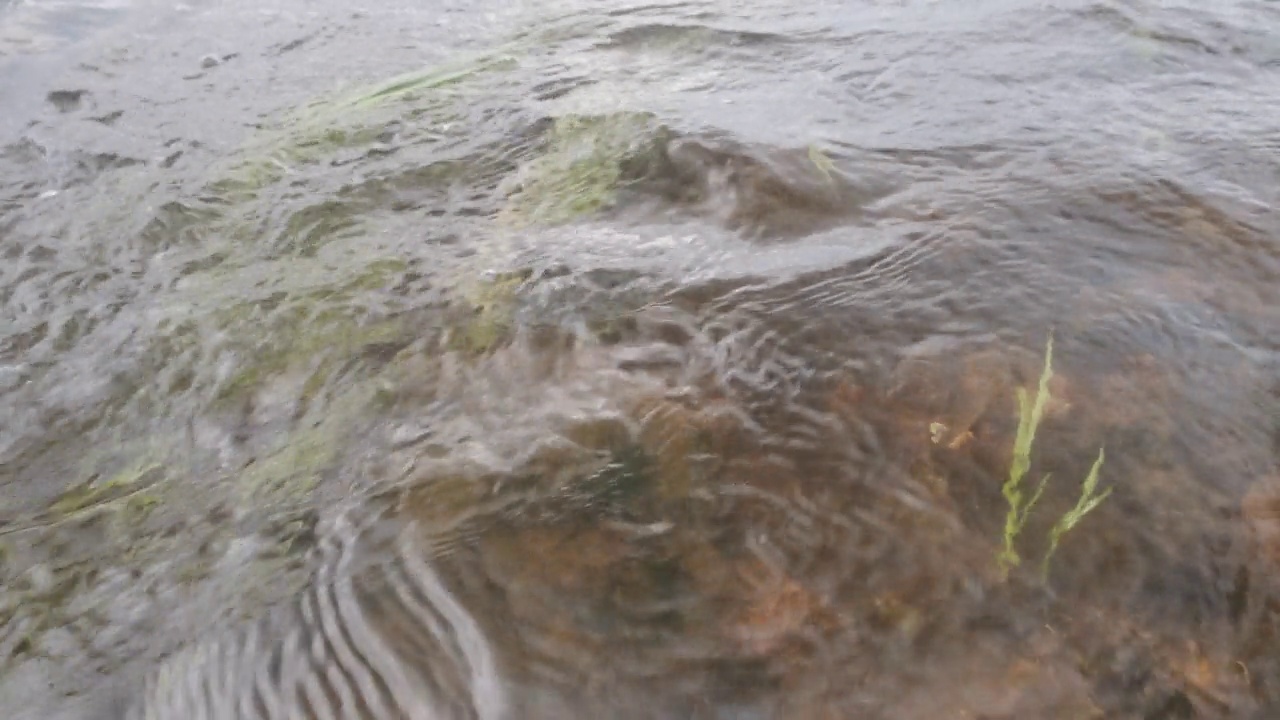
<point>610,360</point>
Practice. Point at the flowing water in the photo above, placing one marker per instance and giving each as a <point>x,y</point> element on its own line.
<point>638,360</point>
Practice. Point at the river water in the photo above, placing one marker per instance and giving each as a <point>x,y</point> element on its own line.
<point>640,360</point>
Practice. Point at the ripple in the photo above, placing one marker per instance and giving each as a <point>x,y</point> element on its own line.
<point>656,362</point>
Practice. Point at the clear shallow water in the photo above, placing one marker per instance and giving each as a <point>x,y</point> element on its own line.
<point>624,332</point>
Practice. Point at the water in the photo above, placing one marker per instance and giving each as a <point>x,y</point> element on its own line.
<point>637,360</point>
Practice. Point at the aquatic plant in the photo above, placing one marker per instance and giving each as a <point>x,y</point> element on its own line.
<point>822,163</point>
<point>1089,499</point>
<point>1030,413</point>
<point>493,301</point>
<point>582,167</point>
<point>425,106</point>
<point>428,80</point>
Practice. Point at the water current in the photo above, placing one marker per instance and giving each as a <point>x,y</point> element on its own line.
<point>889,359</point>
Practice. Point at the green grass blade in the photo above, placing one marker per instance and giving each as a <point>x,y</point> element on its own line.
<point>1088,501</point>
<point>1030,412</point>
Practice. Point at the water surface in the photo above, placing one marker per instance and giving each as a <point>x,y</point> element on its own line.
<point>640,360</point>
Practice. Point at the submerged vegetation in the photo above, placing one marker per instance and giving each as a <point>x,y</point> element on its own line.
<point>1030,413</point>
<point>582,167</point>
<point>422,106</point>
<point>1089,499</point>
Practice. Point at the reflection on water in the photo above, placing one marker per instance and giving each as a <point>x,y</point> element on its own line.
<point>658,361</point>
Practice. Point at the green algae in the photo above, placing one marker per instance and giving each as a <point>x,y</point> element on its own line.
<point>823,164</point>
<point>314,337</point>
<point>126,485</point>
<point>1030,414</point>
<point>159,521</point>
<point>581,169</point>
<point>407,86</point>
<point>1089,499</point>
<point>291,471</point>
<point>492,305</point>
<point>357,119</point>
